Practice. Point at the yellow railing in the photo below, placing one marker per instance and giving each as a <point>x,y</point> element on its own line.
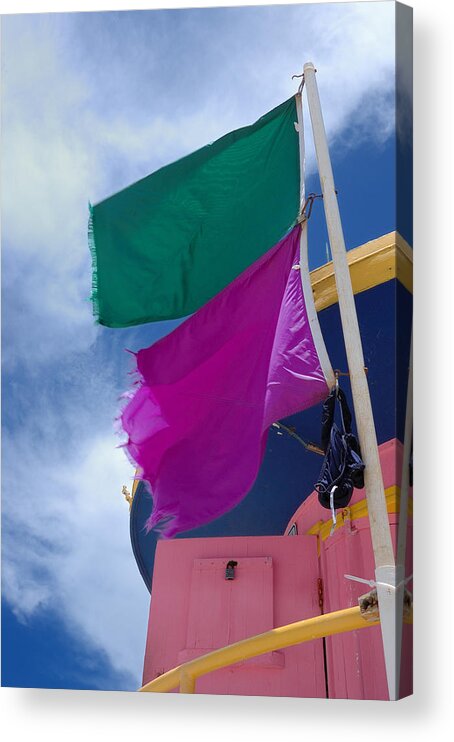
<point>185,676</point>
<point>357,511</point>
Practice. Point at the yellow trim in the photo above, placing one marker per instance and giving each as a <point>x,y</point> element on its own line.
<point>357,511</point>
<point>371,264</point>
<point>135,483</point>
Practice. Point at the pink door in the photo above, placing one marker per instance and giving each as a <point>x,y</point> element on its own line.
<point>195,609</point>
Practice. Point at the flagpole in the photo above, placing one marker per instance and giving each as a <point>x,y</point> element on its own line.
<point>306,285</point>
<point>385,567</point>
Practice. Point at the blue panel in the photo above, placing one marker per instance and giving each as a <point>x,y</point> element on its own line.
<point>289,471</point>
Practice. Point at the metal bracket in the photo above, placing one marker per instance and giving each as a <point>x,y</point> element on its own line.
<point>368,605</point>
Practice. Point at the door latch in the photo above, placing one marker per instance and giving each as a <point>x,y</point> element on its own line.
<point>230,570</point>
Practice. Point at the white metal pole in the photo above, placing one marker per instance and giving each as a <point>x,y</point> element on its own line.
<point>312,315</point>
<point>385,569</point>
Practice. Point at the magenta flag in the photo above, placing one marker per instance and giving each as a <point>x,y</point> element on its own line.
<point>208,392</point>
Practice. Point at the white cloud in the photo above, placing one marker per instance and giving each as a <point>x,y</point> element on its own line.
<point>67,549</point>
<point>248,71</point>
<point>68,139</point>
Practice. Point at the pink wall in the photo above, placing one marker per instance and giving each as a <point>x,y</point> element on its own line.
<point>194,609</point>
<point>356,667</point>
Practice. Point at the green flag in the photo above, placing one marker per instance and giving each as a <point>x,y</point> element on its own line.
<point>165,245</point>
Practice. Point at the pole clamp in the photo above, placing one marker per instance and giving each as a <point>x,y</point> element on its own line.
<point>306,211</point>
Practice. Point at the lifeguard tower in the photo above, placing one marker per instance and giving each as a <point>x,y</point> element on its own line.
<point>276,561</point>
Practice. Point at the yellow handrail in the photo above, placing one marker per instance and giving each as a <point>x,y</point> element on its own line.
<point>185,675</point>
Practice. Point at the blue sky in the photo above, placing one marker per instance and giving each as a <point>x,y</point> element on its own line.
<point>92,102</point>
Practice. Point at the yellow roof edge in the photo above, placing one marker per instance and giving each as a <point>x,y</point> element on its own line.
<point>136,482</point>
<point>375,262</point>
